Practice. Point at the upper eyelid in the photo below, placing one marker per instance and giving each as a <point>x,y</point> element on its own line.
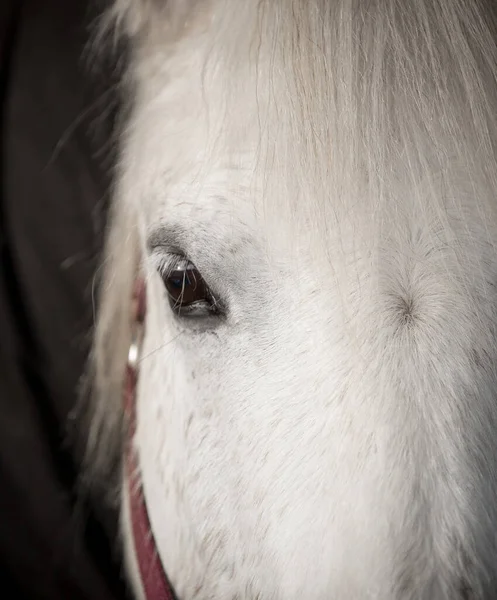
<point>165,241</point>
<point>167,262</point>
<point>168,241</point>
<point>178,262</point>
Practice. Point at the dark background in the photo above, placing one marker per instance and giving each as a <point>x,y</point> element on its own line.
<point>58,107</point>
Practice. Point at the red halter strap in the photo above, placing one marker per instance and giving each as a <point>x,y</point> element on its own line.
<point>154,580</point>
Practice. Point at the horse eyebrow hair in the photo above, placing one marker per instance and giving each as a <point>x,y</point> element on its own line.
<point>166,237</point>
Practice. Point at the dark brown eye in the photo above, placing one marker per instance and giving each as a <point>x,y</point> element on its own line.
<point>188,293</point>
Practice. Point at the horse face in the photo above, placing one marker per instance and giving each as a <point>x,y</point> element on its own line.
<point>316,403</point>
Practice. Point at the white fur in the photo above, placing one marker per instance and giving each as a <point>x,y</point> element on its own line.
<point>329,166</point>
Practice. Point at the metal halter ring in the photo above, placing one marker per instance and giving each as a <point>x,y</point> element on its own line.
<point>138,311</point>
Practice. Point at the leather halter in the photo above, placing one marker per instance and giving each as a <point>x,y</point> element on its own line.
<point>154,581</point>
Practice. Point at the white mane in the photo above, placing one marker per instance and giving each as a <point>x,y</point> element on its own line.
<point>341,154</point>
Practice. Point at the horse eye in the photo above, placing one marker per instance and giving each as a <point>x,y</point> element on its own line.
<point>189,295</point>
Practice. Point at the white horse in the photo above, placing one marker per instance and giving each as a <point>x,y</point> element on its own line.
<point>309,188</point>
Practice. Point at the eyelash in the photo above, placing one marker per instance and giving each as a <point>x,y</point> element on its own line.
<point>166,265</point>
